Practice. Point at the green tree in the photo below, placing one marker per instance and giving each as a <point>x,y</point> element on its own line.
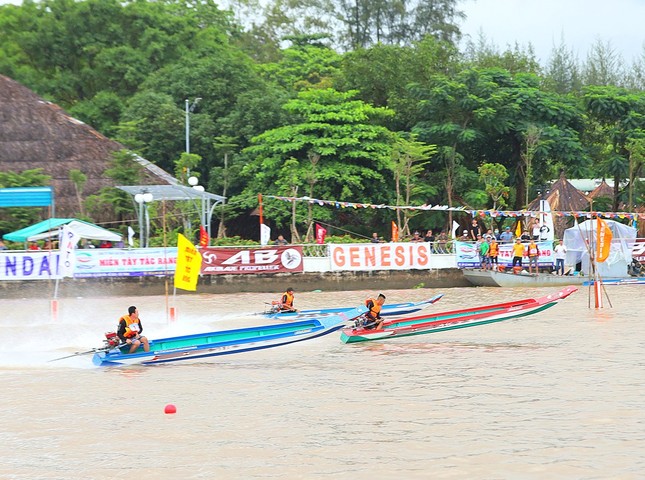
<point>221,177</point>
<point>619,116</point>
<point>493,175</point>
<point>409,159</point>
<point>79,179</point>
<point>562,72</point>
<point>636,147</point>
<point>354,153</point>
<point>124,170</point>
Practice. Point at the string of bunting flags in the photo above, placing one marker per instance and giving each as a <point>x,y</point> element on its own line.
<point>482,213</point>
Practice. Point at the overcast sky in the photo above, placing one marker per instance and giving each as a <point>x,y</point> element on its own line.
<point>544,23</point>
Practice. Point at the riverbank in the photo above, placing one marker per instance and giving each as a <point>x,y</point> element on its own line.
<point>327,281</point>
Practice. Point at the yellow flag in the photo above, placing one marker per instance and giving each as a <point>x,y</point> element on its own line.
<point>603,240</point>
<point>189,264</point>
<point>518,229</point>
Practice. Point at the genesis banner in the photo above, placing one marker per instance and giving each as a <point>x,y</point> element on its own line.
<point>227,261</point>
<point>380,256</point>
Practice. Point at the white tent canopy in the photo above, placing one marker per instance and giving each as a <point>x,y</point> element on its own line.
<point>580,237</point>
<point>83,230</point>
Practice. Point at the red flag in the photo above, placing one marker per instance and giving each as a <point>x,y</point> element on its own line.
<point>395,232</point>
<point>203,237</point>
<point>320,234</point>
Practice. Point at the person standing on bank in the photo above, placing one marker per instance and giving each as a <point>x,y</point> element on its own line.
<point>534,256</point>
<point>518,253</point>
<point>130,329</point>
<point>560,254</point>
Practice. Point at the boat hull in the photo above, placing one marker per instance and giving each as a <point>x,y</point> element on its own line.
<point>490,278</point>
<point>441,322</point>
<point>394,309</point>
<point>200,347</point>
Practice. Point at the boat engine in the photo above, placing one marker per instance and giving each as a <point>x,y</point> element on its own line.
<point>111,340</point>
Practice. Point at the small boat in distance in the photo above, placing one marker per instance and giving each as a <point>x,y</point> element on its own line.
<point>493,278</point>
<point>387,309</point>
<point>200,347</point>
<point>469,317</point>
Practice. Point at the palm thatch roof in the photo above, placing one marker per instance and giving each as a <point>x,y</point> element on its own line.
<point>563,197</point>
<point>35,133</point>
<point>602,190</point>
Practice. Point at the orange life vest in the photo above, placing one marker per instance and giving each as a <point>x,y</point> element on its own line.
<point>287,299</point>
<point>494,249</point>
<point>533,250</point>
<point>132,328</point>
<point>375,309</point>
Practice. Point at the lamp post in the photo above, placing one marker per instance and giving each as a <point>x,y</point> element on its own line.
<point>143,199</point>
<point>193,182</point>
<point>190,107</point>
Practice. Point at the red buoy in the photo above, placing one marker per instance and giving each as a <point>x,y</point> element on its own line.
<point>170,408</point>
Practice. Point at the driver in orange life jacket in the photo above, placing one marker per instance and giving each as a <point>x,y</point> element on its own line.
<point>130,329</point>
<point>286,302</point>
<point>373,315</point>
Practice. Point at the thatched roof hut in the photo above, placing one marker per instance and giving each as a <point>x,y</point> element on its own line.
<point>602,191</point>
<point>35,133</point>
<point>563,197</point>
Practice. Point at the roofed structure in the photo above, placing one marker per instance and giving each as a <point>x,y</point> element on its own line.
<point>35,133</point>
<point>563,197</point>
<point>602,190</point>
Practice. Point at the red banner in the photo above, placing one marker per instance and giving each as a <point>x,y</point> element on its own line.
<point>320,234</point>
<point>203,237</point>
<point>237,261</point>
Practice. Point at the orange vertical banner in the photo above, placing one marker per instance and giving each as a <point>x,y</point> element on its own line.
<point>395,232</point>
<point>603,240</point>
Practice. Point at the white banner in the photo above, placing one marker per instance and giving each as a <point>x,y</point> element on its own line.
<point>265,234</point>
<point>67,241</point>
<point>381,256</point>
<point>30,265</point>
<point>468,256</point>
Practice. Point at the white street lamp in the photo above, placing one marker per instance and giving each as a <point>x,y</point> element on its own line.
<point>143,199</point>
<point>189,108</point>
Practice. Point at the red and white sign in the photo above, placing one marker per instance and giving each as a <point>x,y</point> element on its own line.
<point>226,261</point>
<point>638,250</point>
<point>387,256</point>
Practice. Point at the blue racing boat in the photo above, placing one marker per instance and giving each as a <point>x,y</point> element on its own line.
<point>202,346</point>
<point>387,310</point>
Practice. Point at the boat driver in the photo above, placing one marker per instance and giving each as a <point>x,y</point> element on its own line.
<point>286,302</point>
<point>373,315</point>
<point>130,329</point>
